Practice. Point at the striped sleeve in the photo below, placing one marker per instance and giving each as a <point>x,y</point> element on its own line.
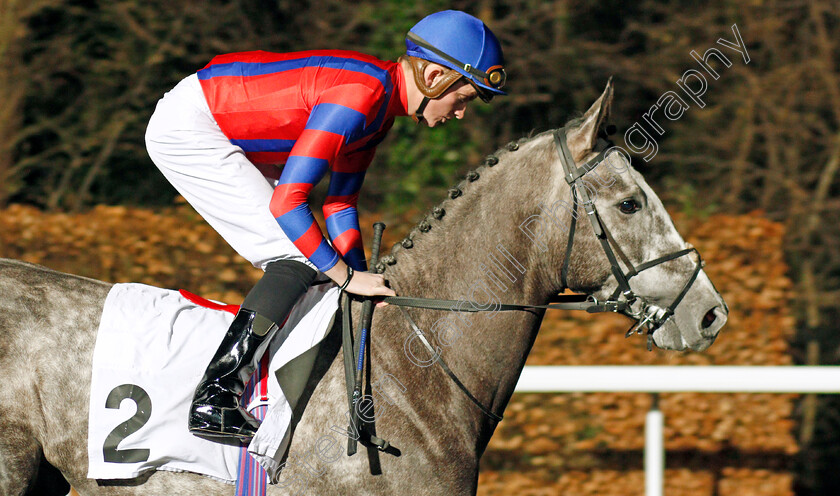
<point>340,213</point>
<point>331,127</point>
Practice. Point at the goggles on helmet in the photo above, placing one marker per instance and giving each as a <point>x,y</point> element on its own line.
<point>495,76</point>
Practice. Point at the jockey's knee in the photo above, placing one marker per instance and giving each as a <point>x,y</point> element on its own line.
<point>280,287</point>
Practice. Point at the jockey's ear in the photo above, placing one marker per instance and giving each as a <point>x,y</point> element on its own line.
<point>582,139</point>
<point>434,74</point>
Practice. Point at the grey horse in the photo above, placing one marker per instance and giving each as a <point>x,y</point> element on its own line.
<point>473,247</point>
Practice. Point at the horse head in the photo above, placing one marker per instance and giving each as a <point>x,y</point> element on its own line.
<point>627,241</point>
<point>505,237</point>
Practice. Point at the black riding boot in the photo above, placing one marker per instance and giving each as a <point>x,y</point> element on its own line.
<point>215,410</point>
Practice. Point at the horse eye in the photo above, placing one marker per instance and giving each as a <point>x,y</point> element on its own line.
<point>629,206</point>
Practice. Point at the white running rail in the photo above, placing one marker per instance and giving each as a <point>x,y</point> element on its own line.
<point>671,379</point>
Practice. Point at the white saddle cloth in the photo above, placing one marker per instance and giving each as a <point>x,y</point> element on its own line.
<point>152,348</point>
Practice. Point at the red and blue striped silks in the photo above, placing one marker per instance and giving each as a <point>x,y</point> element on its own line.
<point>317,111</point>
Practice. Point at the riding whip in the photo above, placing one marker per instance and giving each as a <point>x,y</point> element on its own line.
<point>367,314</point>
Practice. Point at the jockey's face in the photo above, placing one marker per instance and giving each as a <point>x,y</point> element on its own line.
<point>452,104</point>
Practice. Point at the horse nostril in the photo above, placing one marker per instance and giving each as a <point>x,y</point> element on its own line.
<point>708,319</point>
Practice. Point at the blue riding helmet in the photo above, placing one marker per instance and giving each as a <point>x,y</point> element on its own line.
<point>463,43</point>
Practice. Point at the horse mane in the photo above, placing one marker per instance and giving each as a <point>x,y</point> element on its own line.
<point>438,212</point>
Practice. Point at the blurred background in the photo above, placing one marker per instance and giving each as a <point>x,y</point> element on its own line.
<point>750,179</point>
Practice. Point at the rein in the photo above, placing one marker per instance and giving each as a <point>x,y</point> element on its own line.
<point>648,317</point>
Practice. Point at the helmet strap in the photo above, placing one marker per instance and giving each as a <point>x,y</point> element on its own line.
<point>418,114</point>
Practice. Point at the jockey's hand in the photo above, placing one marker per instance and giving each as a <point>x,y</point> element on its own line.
<point>362,283</point>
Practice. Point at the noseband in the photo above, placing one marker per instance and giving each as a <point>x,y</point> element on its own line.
<point>649,317</point>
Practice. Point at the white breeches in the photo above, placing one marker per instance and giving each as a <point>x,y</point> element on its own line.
<point>215,177</point>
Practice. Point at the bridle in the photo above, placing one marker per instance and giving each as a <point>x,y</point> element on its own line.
<point>649,317</point>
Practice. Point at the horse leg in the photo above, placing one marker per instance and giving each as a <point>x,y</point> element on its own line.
<point>19,458</point>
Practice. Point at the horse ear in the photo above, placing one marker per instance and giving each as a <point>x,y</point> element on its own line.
<point>582,139</point>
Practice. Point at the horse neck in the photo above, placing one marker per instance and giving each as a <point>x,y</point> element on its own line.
<point>477,252</point>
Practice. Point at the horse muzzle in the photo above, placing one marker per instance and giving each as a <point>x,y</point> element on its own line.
<point>696,331</point>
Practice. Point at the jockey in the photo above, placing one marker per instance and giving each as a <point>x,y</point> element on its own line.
<point>221,134</point>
